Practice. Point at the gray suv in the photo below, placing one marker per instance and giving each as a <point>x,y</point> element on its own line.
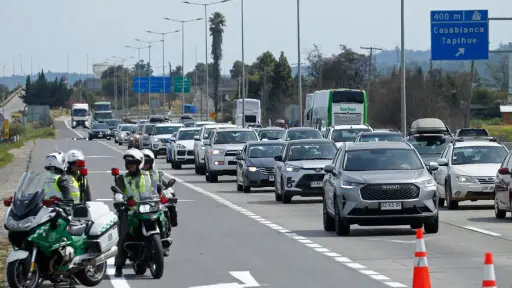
<point>374,184</point>
<point>221,151</point>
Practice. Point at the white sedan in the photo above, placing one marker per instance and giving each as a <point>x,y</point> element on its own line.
<point>183,147</point>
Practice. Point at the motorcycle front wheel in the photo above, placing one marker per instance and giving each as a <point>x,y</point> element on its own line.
<point>156,257</point>
<point>91,275</point>
<point>16,275</point>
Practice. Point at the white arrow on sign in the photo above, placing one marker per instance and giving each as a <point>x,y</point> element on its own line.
<point>243,276</point>
<point>461,52</point>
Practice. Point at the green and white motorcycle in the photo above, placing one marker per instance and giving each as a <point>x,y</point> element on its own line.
<point>54,239</point>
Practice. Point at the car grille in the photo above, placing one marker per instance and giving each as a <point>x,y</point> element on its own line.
<point>268,170</point>
<point>181,152</point>
<point>305,181</point>
<point>378,192</point>
<point>486,180</point>
<point>190,153</point>
<point>231,153</point>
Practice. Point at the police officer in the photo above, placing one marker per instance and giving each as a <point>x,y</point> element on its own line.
<point>73,157</point>
<point>57,184</point>
<point>134,183</point>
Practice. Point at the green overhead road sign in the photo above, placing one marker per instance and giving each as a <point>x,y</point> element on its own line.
<point>178,84</point>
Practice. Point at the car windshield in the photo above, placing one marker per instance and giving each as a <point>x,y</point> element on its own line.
<point>31,182</point>
<point>162,130</point>
<point>127,128</point>
<point>382,159</point>
<point>209,131</point>
<point>232,137</point>
<point>271,134</point>
<point>113,123</point>
<point>478,155</point>
<point>79,112</point>
<point>265,151</point>
<point>187,134</point>
<point>434,144</point>
<point>381,137</point>
<point>102,116</point>
<point>99,126</point>
<point>148,128</point>
<point>473,133</point>
<point>304,134</point>
<point>311,151</point>
<point>189,124</point>
<point>201,124</point>
<point>347,135</point>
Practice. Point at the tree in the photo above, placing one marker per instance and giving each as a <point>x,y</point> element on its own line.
<point>142,68</point>
<point>217,24</point>
<point>42,92</point>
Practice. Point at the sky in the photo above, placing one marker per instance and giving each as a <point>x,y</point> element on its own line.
<point>47,33</point>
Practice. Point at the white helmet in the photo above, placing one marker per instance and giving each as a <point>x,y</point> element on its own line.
<point>134,154</point>
<point>55,161</point>
<point>74,155</point>
<point>148,153</point>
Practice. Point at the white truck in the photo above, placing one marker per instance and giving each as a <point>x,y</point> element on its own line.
<point>80,115</point>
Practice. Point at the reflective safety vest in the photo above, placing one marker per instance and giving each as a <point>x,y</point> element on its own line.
<point>156,177</point>
<point>51,188</point>
<point>74,189</point>
<point>140,187</point>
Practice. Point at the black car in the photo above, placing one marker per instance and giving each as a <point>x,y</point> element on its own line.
<point>112,126</point>
<point>99,131</point>
<point>271,133</point>
<point>255,167</point>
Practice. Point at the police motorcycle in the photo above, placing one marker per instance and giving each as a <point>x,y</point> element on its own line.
<point>148,229</point>
<point>49,244</point>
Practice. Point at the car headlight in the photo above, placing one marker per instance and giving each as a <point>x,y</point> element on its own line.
<point>23,225</point>
<point>181,146</point>
<point>252,169</point>
<point>74,122</point>
<point>349,185</point>
<point>430,183</point>
<point>216,151</point>
<point>290,168</point>
<point>464,179</point>
<point>202,147</point>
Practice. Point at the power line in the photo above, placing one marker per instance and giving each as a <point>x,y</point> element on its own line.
<point>370,66</point>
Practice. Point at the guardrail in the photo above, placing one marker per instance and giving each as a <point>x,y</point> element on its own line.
<point>15,94</point>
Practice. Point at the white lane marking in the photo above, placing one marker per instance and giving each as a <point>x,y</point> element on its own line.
<point>99,156</point>
<point>481,231</point>
<point>117,282</point>
<point>346,261</point>
<point>67,125</point>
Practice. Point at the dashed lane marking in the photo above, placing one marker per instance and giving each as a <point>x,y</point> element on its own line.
<point>481,231</point>
<point>324,251</point>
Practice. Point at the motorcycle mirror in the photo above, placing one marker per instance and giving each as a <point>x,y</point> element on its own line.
<point>114,189</point>
<point>171,183</point>
<point>114,171</point>
<point>80,163</point>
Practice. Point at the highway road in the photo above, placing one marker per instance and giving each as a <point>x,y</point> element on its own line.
<point>222,231</point>
<point>15,105</point>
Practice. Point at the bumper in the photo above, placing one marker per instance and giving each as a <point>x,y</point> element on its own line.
<point>355,210</point>
<point>77,123</point>
<point>220,165</point>
<point>258,179</point>
<point>159,148</point>
<point>98,136</point>
<point>185,156</point>
<point>472,191</point>
<point>304,183</point>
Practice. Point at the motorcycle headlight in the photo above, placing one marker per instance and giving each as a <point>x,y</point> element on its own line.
<point>181,146</point>
<point>144,208</point>
<point>252,169</point>
<point>292,168</point>
<point>118,197</point>
<point>23,225</point>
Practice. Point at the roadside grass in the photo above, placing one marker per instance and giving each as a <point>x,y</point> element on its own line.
<point>500,132</point>
<point>31,132</point>
<point>5,247</point>
<point>56,113</point>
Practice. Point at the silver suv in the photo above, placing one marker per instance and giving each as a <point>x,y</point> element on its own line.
<point>222,148</point>
<point>383,183</point>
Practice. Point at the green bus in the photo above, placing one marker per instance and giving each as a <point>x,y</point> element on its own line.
<point>102,111</point>
<point>337,107</point>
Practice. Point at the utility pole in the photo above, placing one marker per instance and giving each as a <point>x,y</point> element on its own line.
<point>370,67</point>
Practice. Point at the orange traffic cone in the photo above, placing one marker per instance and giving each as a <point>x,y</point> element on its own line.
<point>421,276</point>
<point>489,276</point>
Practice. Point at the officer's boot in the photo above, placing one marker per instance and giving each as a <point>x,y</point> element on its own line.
<point>119,271</point>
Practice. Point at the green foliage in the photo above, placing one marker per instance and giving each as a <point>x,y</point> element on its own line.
<point>217,25</point>
<point>43,92</point>
<point>142,68</point>
<point>4,92</point>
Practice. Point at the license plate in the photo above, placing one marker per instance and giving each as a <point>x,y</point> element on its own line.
<point>390,205</point>
<point>271,178</point>
<point>488,188</point>
<point>101,135</point>
<point>316,184</point>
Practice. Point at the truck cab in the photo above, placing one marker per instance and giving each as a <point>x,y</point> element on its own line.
<point>80,115</point>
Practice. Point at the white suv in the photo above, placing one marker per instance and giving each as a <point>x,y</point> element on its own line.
<point>467,171</point>
<point>199,147</point>
<point>345,133</point>
<point>161,136</point>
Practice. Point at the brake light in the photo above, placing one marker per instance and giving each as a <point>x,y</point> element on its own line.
<point>84,172</point>
<point>80,163</point>
<point>8,201</point>
<point>131,203</point>
<point>114,171</point>
<point>48,202</point>
<point>164,200</point>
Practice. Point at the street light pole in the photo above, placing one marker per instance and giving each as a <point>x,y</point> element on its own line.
<point>163,55</point>
<point>243,65</point>
<point>123,94</point>
<point>149,63</point>
<point>299,75</point>
<point>183,56</point>
<point>402,64</point>
<point>138,73</point>
<point>206,86</point>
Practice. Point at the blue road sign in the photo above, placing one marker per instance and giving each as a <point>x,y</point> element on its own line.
<point>459,35</point>
<point>142,84</point>
<point>178,84</point>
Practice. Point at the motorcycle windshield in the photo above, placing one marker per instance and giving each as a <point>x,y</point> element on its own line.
<point>29,194</point>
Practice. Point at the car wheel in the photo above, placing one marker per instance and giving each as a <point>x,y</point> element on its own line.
<point>196,169</point>
<point>286,198</point>
<point>247,189</point>
<point>202,170</point>
<point>500,214</point>
<point>156,154</point>
<point>432,227</point>
<point>120,143</point>
<point>115,140</point>
<point>90,138</point>
<point>214,178</point>
<point>177,166</point>
<point>329,224</point>
<point>277,196</point>
<point>342,229</point>
<point>452,204</point>
<point>441,202</point>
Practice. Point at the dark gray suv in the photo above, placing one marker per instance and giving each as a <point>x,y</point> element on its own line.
<point>379,183</point>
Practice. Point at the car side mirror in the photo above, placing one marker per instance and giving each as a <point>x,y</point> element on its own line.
<point>442,162</point>
<point>329,168</point>
<point>196,138</point>
<point>433,166</point>
<point>504,171</point>
<point>173,139</point>
<point>239,157</point>
<point>278,158</point>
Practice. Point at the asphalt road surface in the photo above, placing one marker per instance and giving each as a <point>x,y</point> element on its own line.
<point>224,234</point>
